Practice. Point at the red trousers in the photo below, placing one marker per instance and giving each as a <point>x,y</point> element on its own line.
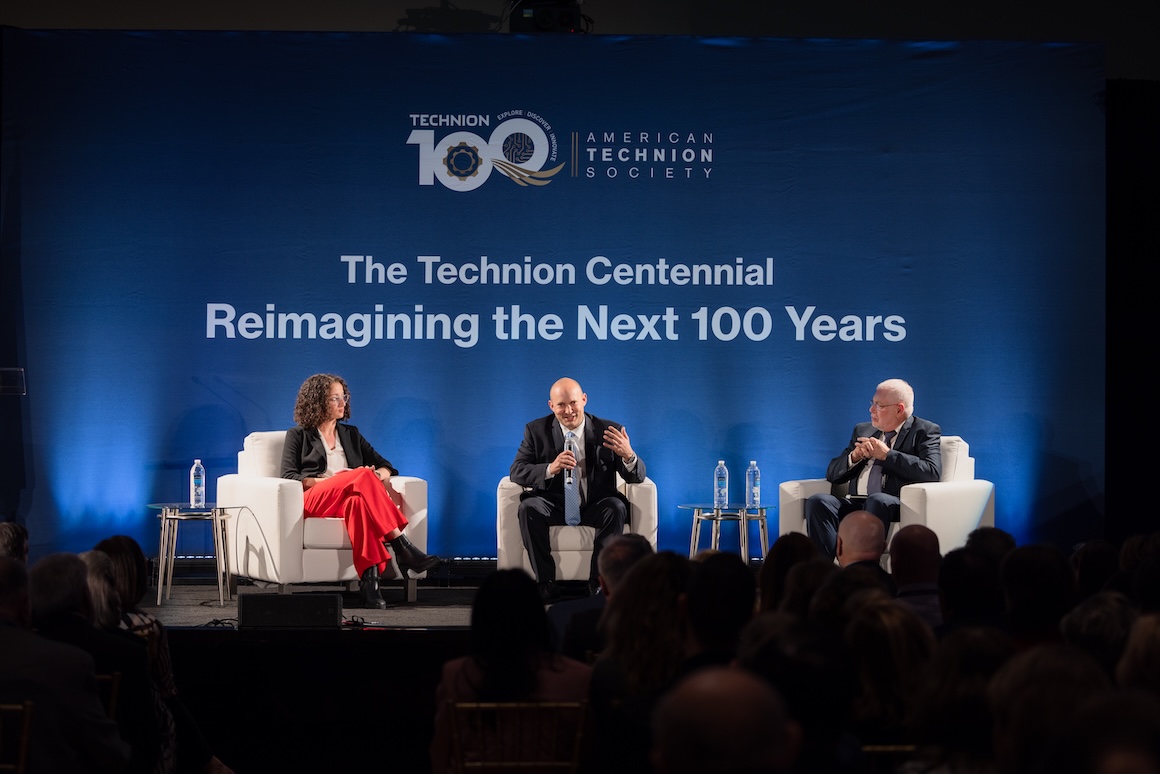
<point>370,514</point>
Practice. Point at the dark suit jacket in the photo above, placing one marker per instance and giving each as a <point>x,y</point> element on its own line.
<point>543,442</point>
<point>70,730</point>
<point>304,455</point>
<point>916,456</point>
<point>121,652</point>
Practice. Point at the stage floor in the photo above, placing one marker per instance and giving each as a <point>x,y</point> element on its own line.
<point>196,605</point>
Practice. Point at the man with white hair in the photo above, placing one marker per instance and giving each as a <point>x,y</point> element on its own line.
<point>893,449</point>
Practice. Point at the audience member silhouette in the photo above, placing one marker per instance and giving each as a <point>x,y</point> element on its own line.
<point>801,584</point>
<point>914,563</point>
<point>950,719</point>
<point>1038,589</point>
<point>644,654</point>
<point>718,603</point>
<point>131,578</point>
<point>71,731</point>
<point>1114,733</point>
<point>61,611</point>
<point>14,541</point>
<point>511,658</point>
<point>890,647</point>
<point>723,721</point>
<point>1100,625</point>
<point>861,543</point>
<point>790,549</point>
<point>1139,666</point>
<point>1033,694</point>
<point>813,676</point>
<point>993,542</point>
<point>576,622</point>
<point>969,591</point>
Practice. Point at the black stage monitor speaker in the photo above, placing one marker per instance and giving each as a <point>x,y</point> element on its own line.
<point>289,611</point>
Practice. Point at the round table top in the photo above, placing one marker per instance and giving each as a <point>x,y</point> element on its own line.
<point>731,507</point>
<point>185,510</point>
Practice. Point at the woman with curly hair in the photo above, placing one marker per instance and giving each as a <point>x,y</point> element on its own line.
<point>343,474</point>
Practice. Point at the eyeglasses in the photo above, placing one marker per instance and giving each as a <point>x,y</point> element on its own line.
<point>339,399</point>
<point>880,406</point>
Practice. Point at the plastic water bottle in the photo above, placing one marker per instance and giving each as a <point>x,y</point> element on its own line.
<point>197,485</point>
<point>721,485</point>
<point>752,486</point>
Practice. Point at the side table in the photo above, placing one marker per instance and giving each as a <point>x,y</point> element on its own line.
<point>738,512</point>
<point>171,516</point>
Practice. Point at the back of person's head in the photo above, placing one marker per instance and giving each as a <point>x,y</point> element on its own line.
<point>1136,549</point>
<point>618,556</point>
<point>891,646</point>
<point>861,537</point>
<point>802,583</point>
<point>829,609</point>
<point>1094,563</point>
<point>1038,588</point>
<point>1114,733</point>
<point>950,712</point>
<point>722,720</point>
<point>13,541</point>
<point>59,585</point>
<point>969,588</point>
<point>993,542</point>
<point>1033,694</point>
<point>914,555</point>
<point>788,550</point>
<point>642,620</point>
<point>106,603</point>
<point>1100,625</point>
<point>1139,665</point>
<point>14,603</point>
<point>719,601</point>
<point>1146,584</point>
<point>130,570</point>
<point>510,635</point>
<point>812,675</point>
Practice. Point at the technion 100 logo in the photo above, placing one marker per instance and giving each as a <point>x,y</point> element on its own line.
<point>521,147</point>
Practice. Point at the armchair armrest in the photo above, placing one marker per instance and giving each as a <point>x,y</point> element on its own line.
<point>266,531</point>
<point>642,509</point>
<point>791,502</point>
<point>951,509</point>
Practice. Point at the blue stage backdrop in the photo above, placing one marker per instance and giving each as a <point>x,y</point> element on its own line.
<point>729,242</point>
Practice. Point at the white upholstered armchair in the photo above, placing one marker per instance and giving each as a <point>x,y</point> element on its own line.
<point>271,541</point>
<point>951,507</point>
<point>571,546</point>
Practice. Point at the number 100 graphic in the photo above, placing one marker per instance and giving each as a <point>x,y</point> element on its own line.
<point>463,161</point>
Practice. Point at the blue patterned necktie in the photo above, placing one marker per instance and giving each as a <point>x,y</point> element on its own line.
<point>874,482</point>
<point>571,488</point>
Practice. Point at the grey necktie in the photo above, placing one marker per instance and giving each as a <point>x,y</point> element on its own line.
<point>571,487</point>
<point>874,482</point>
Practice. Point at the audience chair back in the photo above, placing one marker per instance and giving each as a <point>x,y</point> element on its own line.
<point>525,736</point>
<point>15,731</point>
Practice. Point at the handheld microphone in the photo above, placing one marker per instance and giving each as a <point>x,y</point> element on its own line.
<point>569,445</point>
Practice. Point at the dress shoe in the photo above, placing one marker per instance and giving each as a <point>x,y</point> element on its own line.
<point>549,592</point>
<point>408,557</point>
<point>593,587</point>
<point>368,588</point>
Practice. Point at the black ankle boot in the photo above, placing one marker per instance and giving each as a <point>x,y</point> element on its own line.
<point>369,589</point>
<point>408,557</point>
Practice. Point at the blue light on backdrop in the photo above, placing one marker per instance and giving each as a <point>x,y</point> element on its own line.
<point>728,242</point>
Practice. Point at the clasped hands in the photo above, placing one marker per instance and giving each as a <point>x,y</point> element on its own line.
<point>869,448</point>
<point>615,439</point>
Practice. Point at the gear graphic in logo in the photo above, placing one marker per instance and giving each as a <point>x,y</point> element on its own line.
<point>518,148</point>
<point>462,161</point>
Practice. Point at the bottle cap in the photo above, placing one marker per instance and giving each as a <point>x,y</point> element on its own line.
<point>753,462</point>
<point>720,462</point>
